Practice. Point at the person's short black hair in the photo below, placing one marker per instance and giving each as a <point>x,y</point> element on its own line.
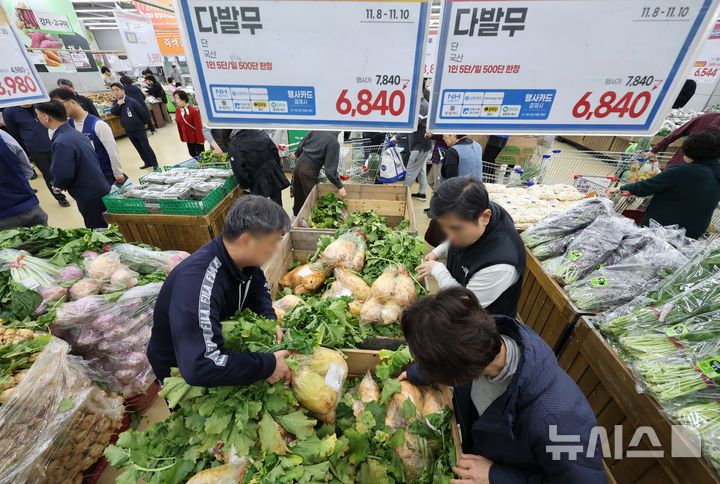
<point>182,95</point>
<point>256,215</point>
<point>703,146</point>
<point>117,84</point>
<point>63,93</point>
<point>65,82</point>
<point>105,69</point>
<point>54,109</point>
<point>171,80</point>
<point>174,65</point>
<point>465,196</point>
<point>125,80</point>
<point>452,338</point>
<point>146,72</point>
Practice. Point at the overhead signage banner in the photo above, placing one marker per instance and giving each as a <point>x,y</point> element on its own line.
<point>555,66</point>
<point>139,39</point>
<point>19,82</point>
<point>707,66</point>
<point>306,64</point>
<point>166,28</point>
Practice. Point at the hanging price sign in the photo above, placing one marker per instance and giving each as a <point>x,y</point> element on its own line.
<point>553,66</point>
<point>19,82</point>
<point>139,39</point>
<point>306,64</point>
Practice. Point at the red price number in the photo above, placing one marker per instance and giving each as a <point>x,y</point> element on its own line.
<point>706,72</point>
<point>365,104</point>
<point>632,104</point>
<point>9,86</point>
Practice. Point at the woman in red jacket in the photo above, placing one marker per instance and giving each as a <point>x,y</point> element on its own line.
<point>189,123</point>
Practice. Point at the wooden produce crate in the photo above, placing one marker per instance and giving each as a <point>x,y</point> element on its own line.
<point>610,389</point>
<point>360,361</point>
<point>391,201</point>
<point>174,232</point>
<point>545,307</point>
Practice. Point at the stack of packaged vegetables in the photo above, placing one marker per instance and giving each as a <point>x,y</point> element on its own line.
<point>324,427</point>
<point>364,274</point>
<point>601,258</point>
<point>670,338</point>
<point>529,205</point>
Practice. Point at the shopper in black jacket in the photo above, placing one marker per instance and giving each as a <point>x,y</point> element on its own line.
<point>133,117</point>
<point>256,164</point>
<point>135,93</point>
<point>83,101</point>
<point>317,150</point>
<point>208,287</point>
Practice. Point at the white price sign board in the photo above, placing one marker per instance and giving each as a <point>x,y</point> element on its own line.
<point>706,69</point>
<point>19,82</point>
<point>313,64</point>
<point>430,53</point>
<point>556,66</point>
<point>139,39</point>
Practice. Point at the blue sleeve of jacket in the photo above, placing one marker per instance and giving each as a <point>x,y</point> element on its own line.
<point>258,298</point>
<point>198,342</point>
<point>115,109</point>
<point>11,125</point>
<point>63,165</point>
<point>415,377</point>
<point>142,112</point>
<point>558,468</point>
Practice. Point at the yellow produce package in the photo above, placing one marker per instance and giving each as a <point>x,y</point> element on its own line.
<point>347,284</point>
<point>392,292</point>
<point>415,452</point>
<point>318,382</point>
<point>284,304</point>
<point>347,251</point>
<point>306,278</point>
<point>369,392</point>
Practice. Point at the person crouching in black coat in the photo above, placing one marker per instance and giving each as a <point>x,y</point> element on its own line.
<point>256,164</point>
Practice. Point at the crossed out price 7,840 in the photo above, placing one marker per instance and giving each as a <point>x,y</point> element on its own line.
<point>612,103</point>
<point>11,85</point>
<point>366,103</point>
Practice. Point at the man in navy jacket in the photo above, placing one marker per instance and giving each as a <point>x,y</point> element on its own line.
<point>510,396</point>
<point>20,207</point>
<point>74,166</point>
<point>133,117</point>
<point>23,125</point>
<point>134,92</point>
<point>211,285</point>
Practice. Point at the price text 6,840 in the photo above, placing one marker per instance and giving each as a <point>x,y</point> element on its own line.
<point>632,104</point>
<point>394,102</point>
<point>12,85</point>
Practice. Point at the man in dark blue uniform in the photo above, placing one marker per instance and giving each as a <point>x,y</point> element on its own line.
<point>74,166</point>
<point>136,93</point>
<point>24,126</point>
<point>20,207</point>
<point>133,117</point>
<point>221,278</point>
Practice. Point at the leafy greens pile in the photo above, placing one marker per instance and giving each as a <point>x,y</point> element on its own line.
<point>328,213</point>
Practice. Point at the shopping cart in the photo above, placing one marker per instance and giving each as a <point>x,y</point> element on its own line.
<point>360,161</point>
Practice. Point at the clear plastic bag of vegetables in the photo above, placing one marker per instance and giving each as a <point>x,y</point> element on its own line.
<point>348,284</point>
<point>554,247</point>
<point>592,247</point>
<point>347,251</point>
<point>702,265</point>
<point>563,223</point>
<point>611,286</point>
<point>57,423</point>
<point>284,304</point>
<point>146,261</point>
<point>318,380</point>
<point>32,272</point>
<point>306,278</point>
<point>678,378</point>
<point>112,335</point>
<point>703,417</point>
<point>392,292</point>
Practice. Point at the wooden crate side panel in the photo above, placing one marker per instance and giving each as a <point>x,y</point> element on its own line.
<point>367,192</point>
<point>304,213</point>
<point>386,208</point>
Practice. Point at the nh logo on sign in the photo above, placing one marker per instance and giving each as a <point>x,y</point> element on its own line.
<point>131,37</point>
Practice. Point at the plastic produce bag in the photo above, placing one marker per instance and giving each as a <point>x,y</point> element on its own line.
<point>415,452</point>
<point>705,263</point>
<point>306,278</point>
<point>563,223</point>
<point>347,251</point>
<point>592,247</point>
<point>231,473</point>
<point>553,248</point>
<point>347,284</point>
<point>103,266</point>
<point>393,291</point>
<point>146,261</point>
<point>674,378</point>
<point>703,416</point>
<point>369,392</point>
<point>57,423</point>
<point>610,286</point>
<point>318,382</point>
<point>32,272</point>
<point>113,336</point>
<point>284,304</point>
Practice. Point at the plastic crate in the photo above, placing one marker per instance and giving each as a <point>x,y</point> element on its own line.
<point>230,183</point>
<point>193,207</point>
<point>123,205</point>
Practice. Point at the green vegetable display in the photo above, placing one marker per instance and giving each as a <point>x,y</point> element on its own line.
<point>210,158</point>
<point>328,212</point>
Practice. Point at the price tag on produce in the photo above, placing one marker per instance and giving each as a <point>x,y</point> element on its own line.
<point>139,39</point>
<point>306,64</point>
<point>553,66</point>
<point>19,82</point>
